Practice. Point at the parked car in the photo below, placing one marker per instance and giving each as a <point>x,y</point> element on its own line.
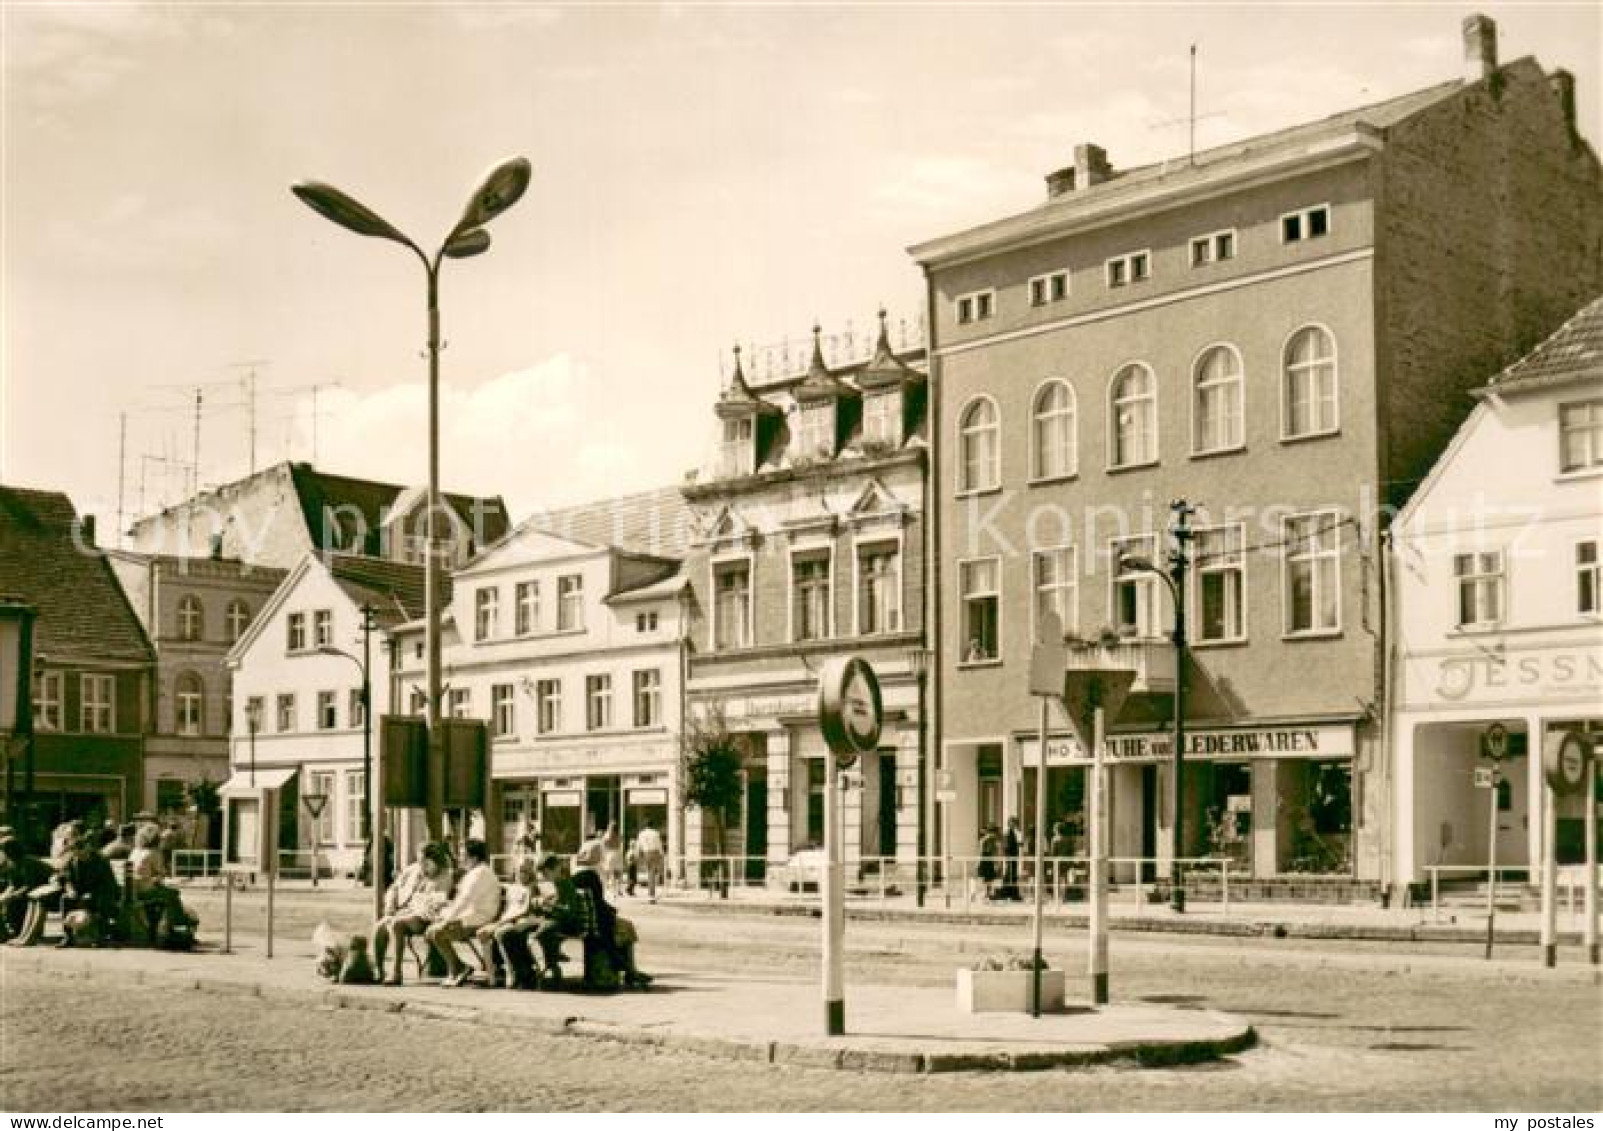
<point>805,869</point>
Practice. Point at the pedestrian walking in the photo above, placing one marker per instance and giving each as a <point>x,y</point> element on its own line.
<point>649,856</point>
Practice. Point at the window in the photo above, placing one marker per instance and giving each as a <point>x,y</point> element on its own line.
<point>95,714</point>
<point>286,714</point>
<point>1215,247</point>
<point>1480,588</point>
<point>47,708</point>
<point>736,455</point>
<point>459,703</point>
<point>732,605</point>
<point>1309,224</point>
<point>190,701</point>
<point>295,632</point>
<point>1133,605</point>
<point>548,705</point>
<point>570,603</point>
<point>356,710</point>
<point>598,701</point>
<point>1588,578</point>
<point>355,803</point>
<point>321,784</point>
<point>1134,418</point>
<point>1221,580</point>
<point>1054,580</point>
<point>1126,269</point>
<point>237,618</point>
<point>1216,410</point>
<point>815,431</point>
<point>1313,573</point>
<point>419,701</point>
<point>503,711</point>
<point>189,618</point>
<point>327,710</point>
<point>322,628</point>
<point>975,307</point>
<point>527,616</point>
<point>1309,406</point>
<point>979,463</point>
<point>486,611</point>
<point>1052,440</point>
<point>809,595</point>
<point>1051,288</point>
<point>645,622</point>
<point>1581,435</point>
<point>882,418</point>
<point>981,585</point>
<point>648,698</point>
<point>879,604</point>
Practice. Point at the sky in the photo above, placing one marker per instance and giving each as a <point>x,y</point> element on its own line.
<point>703,175</point>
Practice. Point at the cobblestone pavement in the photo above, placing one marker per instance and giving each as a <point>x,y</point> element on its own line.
<point>1350,1028</point>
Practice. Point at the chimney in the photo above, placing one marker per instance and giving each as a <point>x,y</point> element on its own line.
<point>1090,165</point>
<point>1563,86</point>
<point>1060,182</point>
<point>1480,47</point>
<point>88,525</point>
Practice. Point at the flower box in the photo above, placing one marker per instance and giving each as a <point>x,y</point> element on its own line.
<point>1007,991</point>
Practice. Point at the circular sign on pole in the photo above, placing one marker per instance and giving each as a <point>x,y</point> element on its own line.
<point>1495,742</point>
<point>849,708</point>
<point>1567,762</point>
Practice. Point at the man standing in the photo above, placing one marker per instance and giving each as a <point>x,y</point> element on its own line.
<point>649,858</point>
<point>477,903</point>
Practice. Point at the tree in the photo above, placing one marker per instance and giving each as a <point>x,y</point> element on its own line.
<point>710,763</point>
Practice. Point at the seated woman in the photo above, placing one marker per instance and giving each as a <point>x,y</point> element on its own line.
<point>497,938</point>
<point>412,903</point>
<point>152,894</point>
<point>22,914</point>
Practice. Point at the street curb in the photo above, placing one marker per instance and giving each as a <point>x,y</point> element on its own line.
<point>796,1054</point>
<point>1227,928</point>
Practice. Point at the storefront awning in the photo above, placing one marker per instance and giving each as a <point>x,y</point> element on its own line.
<point>264,779</point>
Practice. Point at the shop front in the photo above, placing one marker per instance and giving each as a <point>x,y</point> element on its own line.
<point>566,794</point>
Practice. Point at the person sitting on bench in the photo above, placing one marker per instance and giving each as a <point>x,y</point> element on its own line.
<point>561,915</point>
<point>22,915</point>
<point>602,924</point>
<point>477,902</point>
<point>91,898</point>
<point>152,894</point>
<point>412,902</point>
<point>515,902</point>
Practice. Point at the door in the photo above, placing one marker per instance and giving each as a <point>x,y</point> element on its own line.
<point>1149,823</point>
<point>756,842</point>
<point>887,805</point>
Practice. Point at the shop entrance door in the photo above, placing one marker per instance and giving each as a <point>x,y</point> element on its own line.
<point>603,798</point>
<point>756,844</point>
<point>1149,823</point>
<point>887,804</point>
<point>561,821</point>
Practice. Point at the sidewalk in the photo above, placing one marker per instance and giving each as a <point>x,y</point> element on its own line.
<point>889,1029</point>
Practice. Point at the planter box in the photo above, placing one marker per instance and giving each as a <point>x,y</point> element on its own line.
<point>1007,991</point>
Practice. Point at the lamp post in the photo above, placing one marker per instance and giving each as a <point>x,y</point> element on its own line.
<point>1175,578</point>
<point>372,836</point>
<point>500,190</point>
<point>918,661</point>
<point>253,723</point>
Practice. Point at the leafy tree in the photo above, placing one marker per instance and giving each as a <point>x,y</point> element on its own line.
<point>711,759</point>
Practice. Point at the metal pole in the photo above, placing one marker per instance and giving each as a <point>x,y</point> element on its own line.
<point>1591,861</point>
<point>370,811</point>
<point>1040,815</point>
<point>228,913</point>
<point>272,877</point>
<point>1182,534</point>
<point>834,906</point>
<point>254,726</point>
<point>922,795</point>
<point>1099,865</point>
<point>1491,865</point>
<point>431,570</point>
<point>1549,876</point>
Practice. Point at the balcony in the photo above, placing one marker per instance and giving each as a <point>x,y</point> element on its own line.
<point>1152,660</point>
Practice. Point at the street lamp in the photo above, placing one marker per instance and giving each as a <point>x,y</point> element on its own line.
<point>253,723</point>
<point>500,190</point>
<point>1175,579</point>
<point>918,661</point>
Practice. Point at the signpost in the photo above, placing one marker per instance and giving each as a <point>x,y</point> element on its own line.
<point>850,712</point>
<point>1567,765</point>
<point>1495,745</point>
<point>314,803</point>
<point>1048,660</point>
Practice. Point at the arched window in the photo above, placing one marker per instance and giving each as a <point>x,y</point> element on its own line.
<point>1308,406</point>
<point>1134,419</point>
<point>190,701</point>
<point>238,618</point>
<point>189,618</point>
<point>1216,410</point>
<point>1052,436</point>
<point>979,463</point>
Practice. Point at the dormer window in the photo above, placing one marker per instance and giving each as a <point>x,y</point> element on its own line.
<point>737,452</point>
<point>882,419</point>
<point>815,431</point>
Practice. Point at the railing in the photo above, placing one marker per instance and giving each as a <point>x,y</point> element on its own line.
<point>196,863</point>
<point>1570,877</point>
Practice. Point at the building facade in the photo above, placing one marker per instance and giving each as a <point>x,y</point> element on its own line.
<point>810,544</point>
<point>1499,612</point>
<point>573,653</point>
<point>93,668</point>
<point>193,610</point>
<point>1281,332</point>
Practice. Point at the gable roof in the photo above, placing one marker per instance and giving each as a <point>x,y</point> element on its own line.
<point>1572,352</point>
<point>83,612</point>
<point>319,492</point>
<point>655,523</point>
<point>395,589</point>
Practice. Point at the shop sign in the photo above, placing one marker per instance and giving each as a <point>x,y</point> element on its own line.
<point>1501,674</point>
<point>770,708</point>
<point>1264,742</point>
<point>648,797</point>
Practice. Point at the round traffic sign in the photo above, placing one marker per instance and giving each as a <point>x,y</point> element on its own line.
<point>1567,763</point>
<point>849,707</point>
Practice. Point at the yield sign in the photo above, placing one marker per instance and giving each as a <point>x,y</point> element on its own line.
<point>1086,689</point>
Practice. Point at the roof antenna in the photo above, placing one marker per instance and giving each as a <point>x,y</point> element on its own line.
<point>1191,152</point>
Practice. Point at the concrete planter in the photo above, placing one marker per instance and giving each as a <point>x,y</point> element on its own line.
<point>1007,991</point>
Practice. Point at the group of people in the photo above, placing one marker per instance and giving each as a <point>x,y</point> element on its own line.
<point>644,861</point>
<point>544,904</point>
<point>80,876</point>
<point>999,858</point>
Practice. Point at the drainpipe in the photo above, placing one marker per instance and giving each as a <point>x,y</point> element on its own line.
<point>1384,701</point>
<point>676,785</point>
<point>940,840</point>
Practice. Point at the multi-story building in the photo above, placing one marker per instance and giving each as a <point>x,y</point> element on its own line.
<point>280,513</point>
<point>1282,332</point>
<point>93,666</point>
<point>810,545</point>
<point>193,610</point>
<point>1498,580</point>
<point>297,706</point>
<point>573,652</point>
